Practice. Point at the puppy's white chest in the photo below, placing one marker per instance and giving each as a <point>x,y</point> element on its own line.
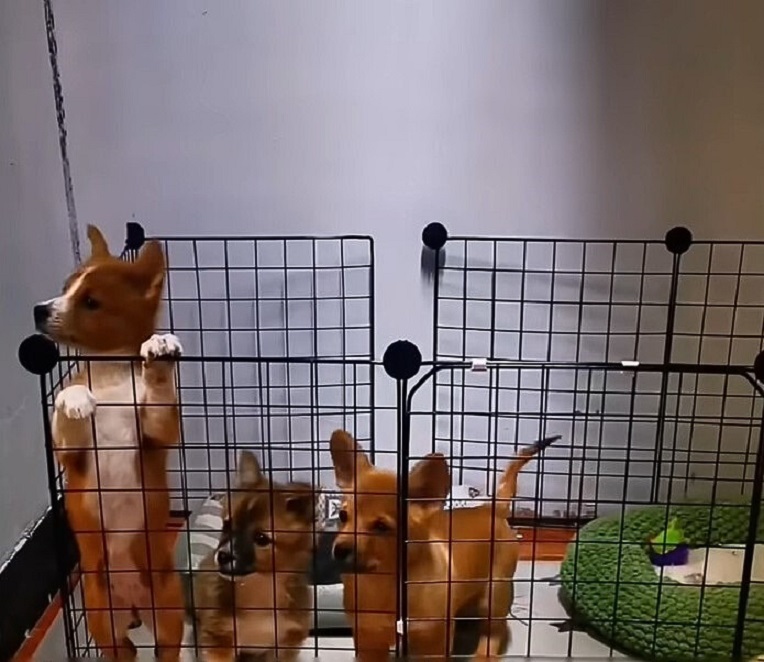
<point>115,467</point>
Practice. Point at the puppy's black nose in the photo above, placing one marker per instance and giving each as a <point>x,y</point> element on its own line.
<point>226,561</point>
<point>41,314</point>
<point>233,564</point>
<point>342,552</point>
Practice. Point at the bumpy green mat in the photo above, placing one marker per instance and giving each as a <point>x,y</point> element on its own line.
<point>635,611</point>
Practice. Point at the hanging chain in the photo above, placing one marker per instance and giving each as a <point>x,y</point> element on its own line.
<point>71,209</point>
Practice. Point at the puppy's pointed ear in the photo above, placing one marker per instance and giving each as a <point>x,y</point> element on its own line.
<point>301,501</point>
<point>430,482</point>
<point>150,268</point>
<point>98,246</point>
<point>250,474</point>
<point>348,459</point>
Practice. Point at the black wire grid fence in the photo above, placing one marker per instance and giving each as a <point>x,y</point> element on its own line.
<point>637,354</point>
<point>278,337</point>
<point>585,303</point>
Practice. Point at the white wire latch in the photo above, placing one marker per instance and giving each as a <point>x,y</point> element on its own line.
<point>479,365</point>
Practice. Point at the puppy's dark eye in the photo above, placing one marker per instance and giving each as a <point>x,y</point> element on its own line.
<point>261,539</point>
<point>380,526</point>
<point>90,303</point>
<point>343,515</point>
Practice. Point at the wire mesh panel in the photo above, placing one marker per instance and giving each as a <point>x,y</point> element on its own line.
<point>580,302</point>
<point>608,589</point>
<point>292,297</point>
<point>335,393</point>
<point>277,337</point>
<point>711,446</point>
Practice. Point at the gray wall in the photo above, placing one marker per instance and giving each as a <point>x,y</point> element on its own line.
<point>34,252</point>
<point>571,119</point>
<point>525,118</point>
<point>528,118</point>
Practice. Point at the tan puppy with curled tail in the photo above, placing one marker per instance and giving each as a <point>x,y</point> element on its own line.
<point>458,562</point>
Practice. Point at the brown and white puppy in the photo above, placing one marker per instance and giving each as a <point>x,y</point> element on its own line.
<point>458,562</point>
<point>251,596</point>
<point>114,423</point>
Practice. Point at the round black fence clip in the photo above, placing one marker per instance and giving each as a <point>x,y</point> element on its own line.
<point>678,240</point>
<point>402,359</point>
<point>758,367</point>
<point>135,236</point>
<point>435,236</point>
<point>38,354</point>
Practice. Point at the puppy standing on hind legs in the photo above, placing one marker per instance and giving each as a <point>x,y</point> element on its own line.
<point>458,562</point>
<point>113,425</point>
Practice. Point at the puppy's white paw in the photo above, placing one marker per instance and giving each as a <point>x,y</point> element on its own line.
<point>161,345</point>
<point>76,402</point>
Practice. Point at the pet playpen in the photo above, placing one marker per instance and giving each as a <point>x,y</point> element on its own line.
<point>278,336</point>
<point>638,353</point>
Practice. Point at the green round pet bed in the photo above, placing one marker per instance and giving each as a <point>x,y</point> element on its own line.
<point>611,586</point>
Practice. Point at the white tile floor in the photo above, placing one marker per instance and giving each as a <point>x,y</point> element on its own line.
<point>535,635</point>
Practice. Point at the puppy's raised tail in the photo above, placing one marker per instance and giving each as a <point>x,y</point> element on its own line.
<point>508,485</point>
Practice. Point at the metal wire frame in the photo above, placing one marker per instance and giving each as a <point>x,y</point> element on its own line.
<point>537,299</point>
<point>233,301</point>
<point>666,391</point>
<point>544,421</point>
<point>503,442</point>
<point>353,411</point>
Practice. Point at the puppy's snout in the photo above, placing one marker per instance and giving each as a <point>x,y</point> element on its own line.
<point>41,315</point>
<point>225,560</point>
<point>233,565</point>
<point>343,552</point>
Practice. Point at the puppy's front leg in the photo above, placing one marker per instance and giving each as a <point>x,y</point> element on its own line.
<point>160,430</point>
<point>72,426</point>
<point>428,641</point>
<point>372,647</point>
<point>160,426</point>
<point>373,634</point>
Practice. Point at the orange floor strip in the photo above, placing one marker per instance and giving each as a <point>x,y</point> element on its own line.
<point>42,627</point>
<point>32,643</point>
<point>544,544</point>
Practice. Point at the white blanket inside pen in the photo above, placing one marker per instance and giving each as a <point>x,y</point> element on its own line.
<point>715,565</point>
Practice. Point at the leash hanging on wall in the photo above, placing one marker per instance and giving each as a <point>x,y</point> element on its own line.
<point>58,96</point>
